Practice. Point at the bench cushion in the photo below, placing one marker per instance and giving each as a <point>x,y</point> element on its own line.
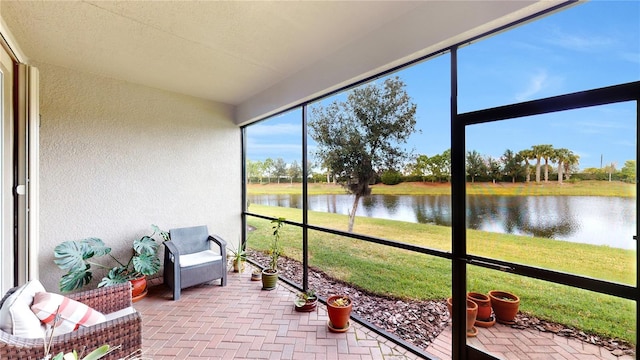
<point>16,317</point>
<point>199,258</point>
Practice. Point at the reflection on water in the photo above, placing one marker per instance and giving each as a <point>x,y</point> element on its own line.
<point>592,220</point>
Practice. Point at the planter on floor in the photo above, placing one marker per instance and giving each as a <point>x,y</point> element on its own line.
<point>505,306</point>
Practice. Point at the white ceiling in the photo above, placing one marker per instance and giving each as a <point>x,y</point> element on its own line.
<point>260,56</point>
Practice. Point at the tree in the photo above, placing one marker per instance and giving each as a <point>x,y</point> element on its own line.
<point>446,164</point>
<point>548,154</point>
<point>571,164</point>
<point>434,166</point>
<point>363,135</point>
<point>539,152</point>
<point>527,155</point>
<point>512,164</point>
<point>294,171</point>
<point>610,169</point>
<point>494,169</point>
<point>420,168</point>
<point>267,168</point>
<point>566,158</point>
<point>628,171</point>
<point>254,169</point>
<point>279,168</point>
<point>475,165</point>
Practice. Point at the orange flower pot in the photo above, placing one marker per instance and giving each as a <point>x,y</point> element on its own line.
<point>472,312</point>
<point>505,306</point>
<point>484,305</point>
<point>338,315</point>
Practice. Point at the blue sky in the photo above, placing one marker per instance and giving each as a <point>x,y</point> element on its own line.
<point>590,45</point>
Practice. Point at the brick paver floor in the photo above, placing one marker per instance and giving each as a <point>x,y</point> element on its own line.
<point>241,321</point>
<point>504,342</point>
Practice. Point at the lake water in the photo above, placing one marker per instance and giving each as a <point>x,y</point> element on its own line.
<point>585,219</point>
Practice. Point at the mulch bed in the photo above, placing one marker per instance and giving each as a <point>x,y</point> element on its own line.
<point>417,322</point>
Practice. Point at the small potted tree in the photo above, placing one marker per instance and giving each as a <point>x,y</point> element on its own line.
<point>238,257</point>
<point>270,274</point>
<point>77,257</point>
<point>339,310</point>
<point>306,301</point>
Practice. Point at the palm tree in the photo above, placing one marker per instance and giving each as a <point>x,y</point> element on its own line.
<point>548,154</point>
<point>571,160</point>
<point>526,155</point>
<point>512,164</point>
<point>561,155</point>
<point>537,152</point>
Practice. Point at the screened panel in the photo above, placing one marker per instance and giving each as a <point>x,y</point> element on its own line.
<point>274,166</point>
<point>590,45</point>
<point>410,201</point>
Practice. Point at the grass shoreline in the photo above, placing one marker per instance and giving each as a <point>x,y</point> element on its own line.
<point>400,273</point>
<point>580,188</point>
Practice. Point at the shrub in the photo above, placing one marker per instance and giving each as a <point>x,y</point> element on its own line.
<point>391,177</point>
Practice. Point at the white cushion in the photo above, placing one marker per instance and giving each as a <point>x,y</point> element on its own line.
<point>120,313</point>
<point>199,258</point>
<point>16,316</point>
<point>67,314</point>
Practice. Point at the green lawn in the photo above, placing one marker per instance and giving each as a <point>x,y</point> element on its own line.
<point>580,188</point>
<point>405,274</point>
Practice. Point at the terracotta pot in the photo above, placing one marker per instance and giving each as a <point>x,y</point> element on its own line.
<point>309,306</point>
<point>269,279</point>
<point>338,315</point>
<point>484,305</point>
<point>138,288</point>
<point>238,265</point>
<point>472,312</point>
<point>505,305</point>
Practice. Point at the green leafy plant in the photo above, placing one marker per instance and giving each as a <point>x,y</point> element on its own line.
<point>239,254</point>
<point>341,301</point>
<point>303,297</point>
<point>77,258</point>
<point>276,249</point>
<point>94,355</point>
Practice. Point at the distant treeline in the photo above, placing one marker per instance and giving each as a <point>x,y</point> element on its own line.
<point>538,163</point>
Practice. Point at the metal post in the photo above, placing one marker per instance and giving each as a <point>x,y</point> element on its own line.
<point>458,223</point>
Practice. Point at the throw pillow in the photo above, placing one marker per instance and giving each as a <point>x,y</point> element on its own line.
<point>71,314</point>
<point>15,315</point>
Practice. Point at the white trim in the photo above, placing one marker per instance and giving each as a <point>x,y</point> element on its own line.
<point>9,41</point>
<point>33,166</point>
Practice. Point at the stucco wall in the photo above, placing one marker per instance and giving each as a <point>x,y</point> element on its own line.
<point>116,157</point>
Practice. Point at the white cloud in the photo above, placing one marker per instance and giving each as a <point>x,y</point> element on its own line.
<point>271,130</point>
<point>579,42</point>
<point>537,82</point>
<point>630,56</point>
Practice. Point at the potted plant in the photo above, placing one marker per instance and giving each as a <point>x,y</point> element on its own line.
<point>505,305</point>
<point>484,317</point>
<point>77,257</point>
<point>472,312</point>
<point>306,301</point>
<point>339,311</point>
<point>238,257</point>
<point>270,274</point>
<point>256,275</point>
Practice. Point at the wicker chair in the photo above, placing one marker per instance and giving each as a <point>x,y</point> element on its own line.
<point>188,260</point>
<point>125,331</point>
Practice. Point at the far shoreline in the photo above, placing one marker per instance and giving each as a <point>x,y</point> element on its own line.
<point>579,188</point>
